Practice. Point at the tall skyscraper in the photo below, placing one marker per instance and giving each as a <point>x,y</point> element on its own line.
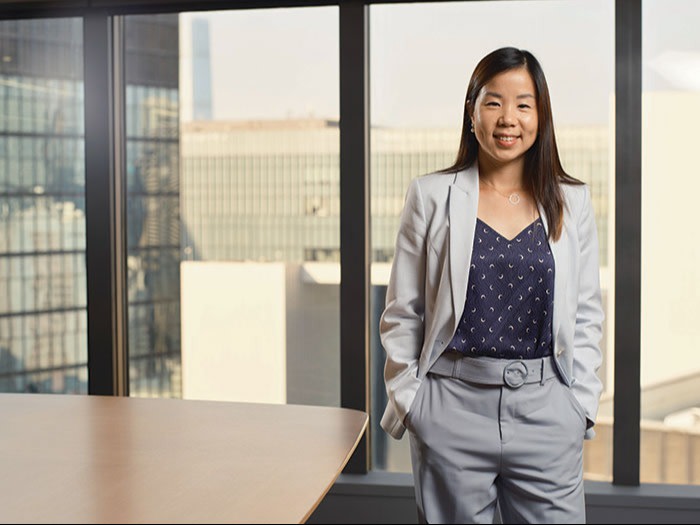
<point>201,68</point>
<point>195,68</point>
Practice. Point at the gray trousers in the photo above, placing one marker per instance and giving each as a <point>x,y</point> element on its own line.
<point>476,441</point>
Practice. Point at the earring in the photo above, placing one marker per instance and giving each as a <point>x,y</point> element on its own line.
<point>472,128</point>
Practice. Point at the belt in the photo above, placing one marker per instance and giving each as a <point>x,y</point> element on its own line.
<point>494,371</point>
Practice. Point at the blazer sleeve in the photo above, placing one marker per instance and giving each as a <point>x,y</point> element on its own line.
<point>588,331</point>
<point>401,324</point>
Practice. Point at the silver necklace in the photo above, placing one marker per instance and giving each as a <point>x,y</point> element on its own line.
<point>513,198</point>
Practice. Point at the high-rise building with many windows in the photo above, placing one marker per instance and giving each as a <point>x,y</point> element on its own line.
<point>268,190</point>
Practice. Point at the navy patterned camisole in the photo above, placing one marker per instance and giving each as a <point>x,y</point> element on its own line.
<point>510,296</point>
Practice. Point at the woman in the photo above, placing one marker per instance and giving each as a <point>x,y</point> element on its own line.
<point>493,314</point>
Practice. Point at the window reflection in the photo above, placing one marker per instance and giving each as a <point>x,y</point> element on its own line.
<point>43,339</point>
<point>153,201</point>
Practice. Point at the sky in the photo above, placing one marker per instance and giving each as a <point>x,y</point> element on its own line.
<point>283,63</point>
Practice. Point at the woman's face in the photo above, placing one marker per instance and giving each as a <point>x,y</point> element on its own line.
<point>504,117</point>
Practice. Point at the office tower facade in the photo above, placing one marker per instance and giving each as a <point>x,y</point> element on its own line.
<point>269,190</point>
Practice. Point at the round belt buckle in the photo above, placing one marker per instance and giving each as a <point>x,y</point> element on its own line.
<point>515,374</point>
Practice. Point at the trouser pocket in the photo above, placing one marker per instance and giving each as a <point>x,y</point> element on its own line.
<point>414,409</point>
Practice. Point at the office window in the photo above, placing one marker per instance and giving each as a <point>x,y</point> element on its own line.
<point>670,368</point>
<point>422,56</point>
<point>43,334</point>
<point>234,214</point>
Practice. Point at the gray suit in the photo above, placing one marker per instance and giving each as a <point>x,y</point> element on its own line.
<point>428,286</point>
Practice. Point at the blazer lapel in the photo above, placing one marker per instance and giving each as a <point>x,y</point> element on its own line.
<point>463,203</point>
<point>561,264</point>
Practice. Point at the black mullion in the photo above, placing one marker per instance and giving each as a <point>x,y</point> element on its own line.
<point>98,155</point>
<point>628,200</point>
<point>354,216</point>
<point>104,243</point>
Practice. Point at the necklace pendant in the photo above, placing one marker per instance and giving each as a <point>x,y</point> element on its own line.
<point>514,198</point>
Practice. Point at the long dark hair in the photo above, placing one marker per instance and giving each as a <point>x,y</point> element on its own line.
<point>543,170</point>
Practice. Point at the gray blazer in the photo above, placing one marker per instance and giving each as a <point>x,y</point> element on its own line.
<point>428,286</point>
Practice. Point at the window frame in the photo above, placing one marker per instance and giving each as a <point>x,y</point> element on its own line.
<point>105,213</point>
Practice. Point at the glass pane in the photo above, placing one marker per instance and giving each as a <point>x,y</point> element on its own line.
<point>421,60</point>
<point>43,318</point>
<point>234,219</point>
<point>670,396</point>
<point>153,215</point>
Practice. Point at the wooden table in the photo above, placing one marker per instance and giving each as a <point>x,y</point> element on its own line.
<point>78,459</point>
